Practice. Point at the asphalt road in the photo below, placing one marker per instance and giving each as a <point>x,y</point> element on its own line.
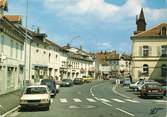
<point>98,99</point>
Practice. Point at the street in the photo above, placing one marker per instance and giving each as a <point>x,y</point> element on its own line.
<point>98,99</point>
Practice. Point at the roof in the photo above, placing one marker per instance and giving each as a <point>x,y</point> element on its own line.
<point>155,31</point>
<point>37,86</point>
<point>14,18</point>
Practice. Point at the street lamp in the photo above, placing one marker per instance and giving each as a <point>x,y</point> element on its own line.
<point>76,37</point>
<point>25,45</point>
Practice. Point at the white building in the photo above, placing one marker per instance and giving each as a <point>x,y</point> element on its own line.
<point>79,63</point>
<point>11,54</point>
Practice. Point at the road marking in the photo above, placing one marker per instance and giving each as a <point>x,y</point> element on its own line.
<point>104,100</point>
<point>96,98</point>
<point>63,100</point>
<point>91,100</point>
<point>117,100</point>
<point>114,90</point>
<point>81,106</point>
<point>51,100</point>
<point>160,101</point>
<point>134,101</point>
<point>106,104</point>
<point>125,112</point>
<point>77,100</point>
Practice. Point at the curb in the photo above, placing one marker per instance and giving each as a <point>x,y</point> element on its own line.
<point>10,111</point>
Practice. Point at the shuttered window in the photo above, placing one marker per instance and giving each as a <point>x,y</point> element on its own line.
<point>164,70</point>
<point>164,50</point>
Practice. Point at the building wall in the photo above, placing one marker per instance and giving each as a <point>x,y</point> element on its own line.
<point>154,60</point>
<point>11,62</point>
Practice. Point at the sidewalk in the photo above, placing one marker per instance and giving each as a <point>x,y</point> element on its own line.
<point>9,101</point>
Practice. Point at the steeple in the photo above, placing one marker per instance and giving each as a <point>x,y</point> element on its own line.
<point>141,17</point>
<point>140,22</point>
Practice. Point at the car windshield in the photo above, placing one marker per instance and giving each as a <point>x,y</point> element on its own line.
<point>153,86</point>
<point>66,80</point>
<point>47,82</point>
<point>36,90</point>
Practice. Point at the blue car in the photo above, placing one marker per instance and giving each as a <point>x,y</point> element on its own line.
<point>126,82</point>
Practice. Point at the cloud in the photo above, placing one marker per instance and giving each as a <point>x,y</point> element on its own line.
<point>99,10</point>
<point>104,46</point>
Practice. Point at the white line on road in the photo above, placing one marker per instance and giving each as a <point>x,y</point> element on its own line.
<point>96,98</point>
<point>51,100</point>
<point>91,100</point>
<point>77,100</point>
<point>104,100</point>
<point>160,101</point>
<point>134,101</point>
<point>114,90</point>
<point>63,100</point>
<point>125,112</point>
<point>106,104</point>
<point>117,100</point>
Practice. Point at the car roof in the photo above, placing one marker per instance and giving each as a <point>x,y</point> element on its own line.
<point>37,86</point>
<point>152,83</point>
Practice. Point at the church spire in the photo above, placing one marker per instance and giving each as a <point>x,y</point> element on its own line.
<point>141,17</point>
<point>140,22</point>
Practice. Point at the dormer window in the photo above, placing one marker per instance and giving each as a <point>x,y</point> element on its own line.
<point>163,31</point>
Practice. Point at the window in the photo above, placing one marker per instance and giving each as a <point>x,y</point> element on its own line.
<point>164,70</point>
<point>145,70</point>
<point>17,50</point>
<point>11,49</point>
<point>49,56</point>
<point>163,31</point>
<point>145,50</point>
<point>164,51</point>
<point>21,52</point>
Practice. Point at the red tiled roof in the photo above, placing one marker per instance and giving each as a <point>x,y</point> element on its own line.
<point>155,31</point>
<point>14,18</point>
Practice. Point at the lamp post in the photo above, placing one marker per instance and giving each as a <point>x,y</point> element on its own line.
<point>76,37</point>
<point>25,46</point>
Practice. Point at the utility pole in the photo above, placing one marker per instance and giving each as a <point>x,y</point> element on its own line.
<point>25,47</point>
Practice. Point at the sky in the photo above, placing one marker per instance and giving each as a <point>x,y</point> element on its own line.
<point>96,25</point>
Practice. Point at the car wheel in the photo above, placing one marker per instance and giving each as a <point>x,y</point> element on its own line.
<point>47,108</point>
<point>135,89</point>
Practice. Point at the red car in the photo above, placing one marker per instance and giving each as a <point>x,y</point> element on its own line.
<point>151,89</point>
<point>164,88</point>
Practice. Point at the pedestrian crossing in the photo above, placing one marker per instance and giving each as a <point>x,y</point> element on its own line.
<point>93,100</point>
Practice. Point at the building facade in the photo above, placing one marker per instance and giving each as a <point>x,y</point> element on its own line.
<point>11,55</point>
<point>149,51</point>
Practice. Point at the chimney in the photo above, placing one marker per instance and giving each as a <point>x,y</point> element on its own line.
<point>80,47</point>
<point>38,30</point>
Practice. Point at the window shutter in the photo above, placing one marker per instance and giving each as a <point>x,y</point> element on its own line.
<point>140,51</point>
<point>159,51</point>
<point>150,51</point>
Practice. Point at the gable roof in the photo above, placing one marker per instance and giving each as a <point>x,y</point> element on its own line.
<point>155,31</point>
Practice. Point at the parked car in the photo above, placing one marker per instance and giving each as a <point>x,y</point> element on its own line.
<point>126,82</point>
<point>164,88</point>
<point>51,85</point>
<point>66,83</point>
<point>87,79</point>
<point>151,89</point>
<point>78,81</point>
<point>36,96</point>
<point>136,86</point>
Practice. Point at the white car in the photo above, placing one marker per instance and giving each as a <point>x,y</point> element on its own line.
<point>136,86</point>
<point>36,96</point>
